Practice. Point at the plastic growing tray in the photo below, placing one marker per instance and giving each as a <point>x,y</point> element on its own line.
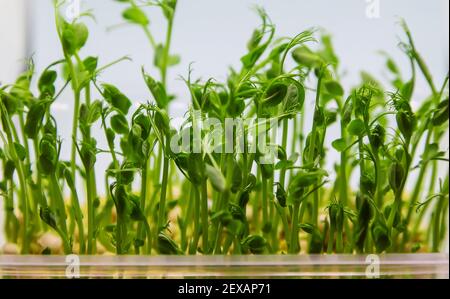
<point>281,266</point>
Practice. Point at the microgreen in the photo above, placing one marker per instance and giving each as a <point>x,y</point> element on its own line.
<point>222,194</point>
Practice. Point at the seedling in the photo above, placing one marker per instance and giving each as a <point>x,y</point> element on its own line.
<point>235,192</point>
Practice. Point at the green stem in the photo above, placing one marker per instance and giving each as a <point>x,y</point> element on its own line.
<point>295,244</point>
<point>284,145</point>
<point>196,237</point>
<point>91,242</point>
<point>73,157</point>
<point>265,213</point>
<point>78,218</point>
<point>7,124</point>
<point>61,212</point>
<point>343,191</point>
<point>143,195</point>
<point>339,241</point>
<point>284,220</point>
<point>167,53</point>
<point>162,202</point>
<point>204,213</point>
<point>437,219</point>
<point>331,240</point>
<point>417,187</point>
<point>41,198</point>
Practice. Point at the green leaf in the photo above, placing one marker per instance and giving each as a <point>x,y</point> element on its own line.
<point>136,15</point>
<point>381,236</point>
<point>407,90</point>
<point>334,88</point>
<point>47,159</point>
<point>250,59</point>
<point>90,64</point>
<point>9,169</point>
<point>159,56</point>
<point>20,150</point>
<point>48,217</point>
<point>406,123</point>
<point>294,99</point>
<point>116,98</point>
<point>74,37</point>
<point>256,244</point>
<point>441,115</point>
<point>281,195</point>
<point>432,153</point>
<point>305,179</point>
<point>396,176</point>
<point>377,136</point>
<point>168,8</point>
<point>119,124</point>
<point>236,180</point>
<point>196,168</point>
<point>157,89</point>
<point>162,121</point>
<point>34,119</point>
<point>216,178</point>
<point>392,66</point>
<point>174,60</point>
<point>304,56</point>
<point>275,94</point>
<point>46,83</point>
<point>255,40</point>
<point>95,112</point>
<point>236,108</point>
<point>339,144</point>
<point>166,245</point>
<point>356,128</point>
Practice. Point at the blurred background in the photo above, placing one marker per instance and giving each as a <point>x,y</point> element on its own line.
<point>213,34</point>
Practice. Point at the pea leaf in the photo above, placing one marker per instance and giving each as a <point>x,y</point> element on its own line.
<point>119,124</point>
<point>95,112</point>
<point>157,89</point>
<point>34,119</point>
<point>46,83</point>
<point>136,15</point>
<point>356,127</point>
<point>159,56</point>
<point>255,244</point>
<point>281,195</point>
<point>236,180</point>
<point>166,245</point>
<point>304,56</point>
<point>216,178</point>
<point>334,88</point>
<point>254,40</point>
<point>74,37</point>
<point>174,60</point>
<point>116,98</point>
<point>90,64</point>
<point>275,94</point>
<point>305,179</point>
<point>294,99</point>
<point>20,150</point>
<point>48,217</point>
<point>441,114</point>
<point>339,144</point>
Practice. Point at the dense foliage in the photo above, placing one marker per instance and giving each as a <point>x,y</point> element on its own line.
<point>226,203</point>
